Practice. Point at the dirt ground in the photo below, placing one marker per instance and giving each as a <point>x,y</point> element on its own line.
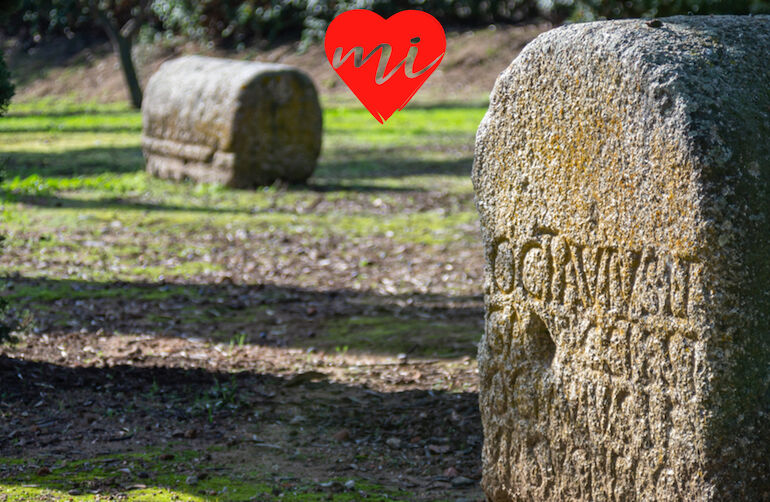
<point>310,417</point>
<point>116,368</point>
<point>271,371</point>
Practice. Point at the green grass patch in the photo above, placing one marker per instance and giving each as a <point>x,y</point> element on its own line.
<point>62,106</point>
<point>391,334</point>
<point>77,290</point>
<point>77,205</point>
<point>74,122</point>
<point>160,476</point>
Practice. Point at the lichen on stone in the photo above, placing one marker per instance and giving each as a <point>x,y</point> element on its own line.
<point>622,177</point>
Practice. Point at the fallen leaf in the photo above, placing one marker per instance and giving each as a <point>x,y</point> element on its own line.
<point>305,377</point>
<point>342,435</point>
<point>435,448</point>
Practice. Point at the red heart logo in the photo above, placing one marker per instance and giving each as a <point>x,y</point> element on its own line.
<point>384,61</point>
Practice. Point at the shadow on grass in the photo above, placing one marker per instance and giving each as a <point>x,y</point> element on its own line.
<point>363,163</point>
<point>419,324</point>
<point>70,111</point>
<point>142,431</point>
<point>64,129</point>
<point>76,162</point>
<point>112,203</point>
<point>390,163</point>
<point>325,185</point>
<point>117,203</point>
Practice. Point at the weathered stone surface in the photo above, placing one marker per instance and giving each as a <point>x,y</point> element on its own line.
<point>239,123</point>
<point>622,176</point>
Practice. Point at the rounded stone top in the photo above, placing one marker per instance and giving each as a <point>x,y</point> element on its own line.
<point>631,117</point>
<point>241,123</point>
<point>197,99</point>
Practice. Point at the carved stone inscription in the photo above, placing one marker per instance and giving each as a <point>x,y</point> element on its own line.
<point>622,179</point>
<point>644,284</point>
<point>587,342</point>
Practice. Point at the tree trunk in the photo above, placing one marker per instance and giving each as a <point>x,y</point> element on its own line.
<point>122,47</point>
<point>129,71</point>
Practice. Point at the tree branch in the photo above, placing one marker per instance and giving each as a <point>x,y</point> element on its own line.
<point>130,29</point>
<point>133,25</point>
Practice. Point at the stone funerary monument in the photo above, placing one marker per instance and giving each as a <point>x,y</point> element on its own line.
<point>622,176</point>
<point>239,123</point>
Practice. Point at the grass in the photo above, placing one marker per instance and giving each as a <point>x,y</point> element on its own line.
<point>80,213</point>
<point>420,337</point>
<point>160,476</point>
<point>83,221</point>
<point>75,290</point>
<point>128,121</point>
<point>70,167</point>
<point>92,239</point>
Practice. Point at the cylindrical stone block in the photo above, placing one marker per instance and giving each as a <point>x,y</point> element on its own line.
<point>239,123</point>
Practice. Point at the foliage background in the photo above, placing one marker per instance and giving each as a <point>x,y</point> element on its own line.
<point>6,88</point>
<point>231,23</point>
<point>6,92</point>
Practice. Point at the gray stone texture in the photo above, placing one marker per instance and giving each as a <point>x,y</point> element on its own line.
<point>239,123</point>
<point>622,176</point>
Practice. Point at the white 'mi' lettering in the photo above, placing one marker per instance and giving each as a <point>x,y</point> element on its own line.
<point>380,77</point>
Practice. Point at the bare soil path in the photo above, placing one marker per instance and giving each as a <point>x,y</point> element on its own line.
<point>187,342</point>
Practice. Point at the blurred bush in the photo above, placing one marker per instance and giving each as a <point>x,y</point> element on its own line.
<point>231,22</point>
<point>589,10</point>
<point>228,22</point>
<point>36,20</point>
<point>234,23</point>
<point>6,88</point>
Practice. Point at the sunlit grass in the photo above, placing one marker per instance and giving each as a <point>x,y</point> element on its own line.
<point>54,140</point>
<point>62,106</point>
<point>84,222</point>
<point>113,477</point>
<point>82,122</point>
<point>69,165</point>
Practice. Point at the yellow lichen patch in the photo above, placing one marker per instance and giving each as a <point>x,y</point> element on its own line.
<point>626,287</point>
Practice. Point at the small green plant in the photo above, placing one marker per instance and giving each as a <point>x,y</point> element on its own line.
<point>225,393</point>
<point>7,324</point>
<point>154,388</point>
<point>238,341</point>
<point>221,395</point>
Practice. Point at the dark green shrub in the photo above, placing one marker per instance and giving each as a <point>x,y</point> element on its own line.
<point>6,87</point>
<point>7,323</point>
<point>586,10</point>
<point>236,22</point>
<point>39,19</point>
<point>231,22</point>
<point>6,92</point>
